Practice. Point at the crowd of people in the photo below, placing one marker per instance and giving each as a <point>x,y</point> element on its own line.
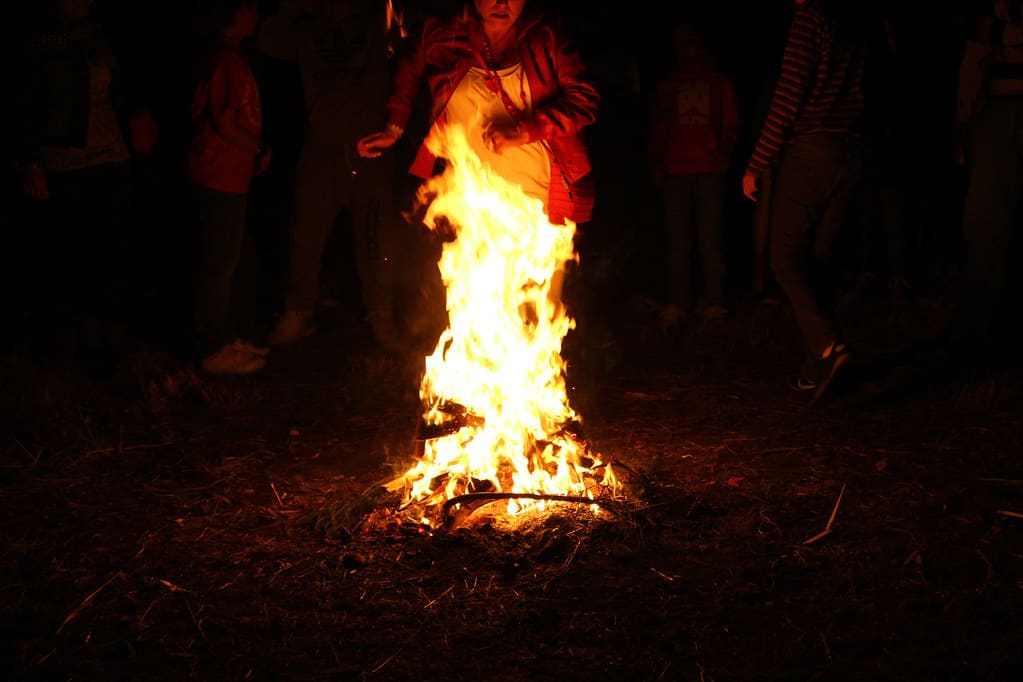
<point>831,150</point>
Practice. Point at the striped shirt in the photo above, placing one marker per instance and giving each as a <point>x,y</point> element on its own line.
<point>820,87</point>
<point>1002,30</point>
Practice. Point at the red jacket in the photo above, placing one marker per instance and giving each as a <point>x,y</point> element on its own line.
<point>563,101</point>
<point>694,122</point>
<point>213,161</point>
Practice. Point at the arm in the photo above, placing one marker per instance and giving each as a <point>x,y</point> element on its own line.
<point>224,97</point>
<point>408,80</point>
<point>790,92</point>
<point>29,112</point>
<point>408,75</point>
<point>577,102</point>
<point>573,107</point>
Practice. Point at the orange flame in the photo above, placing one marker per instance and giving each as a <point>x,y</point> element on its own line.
<point>395,19</point>
<point>495,384</point>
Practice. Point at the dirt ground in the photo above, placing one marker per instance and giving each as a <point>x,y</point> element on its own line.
<point>159,524</point>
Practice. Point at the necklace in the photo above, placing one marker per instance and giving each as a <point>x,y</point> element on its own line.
<point>493,81</point>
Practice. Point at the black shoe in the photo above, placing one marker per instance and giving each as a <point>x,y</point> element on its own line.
<point>802,384</point>
<point>831,365</point>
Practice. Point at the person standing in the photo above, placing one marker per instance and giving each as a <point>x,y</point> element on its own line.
<point>70,109</point>
<point>694,126</point>
<point>341,48</point>
<point>510,77</point>
<point>226,152</point>
<point>513,80</point>
<point>813,137</point>
<point>991,120</point>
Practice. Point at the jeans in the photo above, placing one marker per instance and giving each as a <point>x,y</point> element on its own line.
<point>813,189</point>
<point>693,215</point>
<point>990,214</point>
<point>329,180</point>
<point>222,243</point>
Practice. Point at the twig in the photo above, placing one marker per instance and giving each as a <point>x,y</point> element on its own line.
<point>172,587</point>
<point>663,575</point>
<point>280,500</point>
<point>572,555</point>
<point>74,614</point>
<point>831,521</point>
<point>197,621</point>
<point>1007,481</point>
<point>439,597</point>
<point>144,446</point>
<point>1015,515</point>
<point>391,657</point>
<point>34,458</point>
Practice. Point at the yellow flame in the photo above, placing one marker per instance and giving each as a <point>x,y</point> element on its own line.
<point>496,379</point>
<point>395,19</point>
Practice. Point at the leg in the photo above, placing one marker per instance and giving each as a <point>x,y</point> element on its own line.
<point>803,183</point>
<point>710,200</point>
<point>221,234</point>
<point>319,174</point>
<point>678,227</point>
<point>374,224</point>
<point>991,202</point>
<point>761,234</point>
<point>848,173</point>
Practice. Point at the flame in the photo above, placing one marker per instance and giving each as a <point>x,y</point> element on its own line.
<point>494,387</point>
<point>395,19</point>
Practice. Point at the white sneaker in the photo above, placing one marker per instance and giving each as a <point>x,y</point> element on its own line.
<point>230,360</point>
<point>293,326</point>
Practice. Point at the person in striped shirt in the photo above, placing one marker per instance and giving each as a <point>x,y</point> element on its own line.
<point>812,138</point>
<point>993,135</point>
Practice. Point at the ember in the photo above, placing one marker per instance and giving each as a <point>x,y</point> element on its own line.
<point>496,416</point>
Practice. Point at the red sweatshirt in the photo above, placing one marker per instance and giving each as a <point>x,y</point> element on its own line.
<point>694,122</point>
<point>214,162</point>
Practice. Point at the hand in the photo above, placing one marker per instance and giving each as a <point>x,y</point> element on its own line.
<point>143,131</point>
<point>750,185</point>
<point>373,145</point>
<point>34,182</point>
<point>498,138</point>
<point>263,160</point>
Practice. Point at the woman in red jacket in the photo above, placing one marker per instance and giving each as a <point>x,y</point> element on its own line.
<point>518,86</point>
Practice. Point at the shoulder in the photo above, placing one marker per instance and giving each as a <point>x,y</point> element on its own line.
<point>547,26</point>
<point>226,62</point>
<point>437,29</point>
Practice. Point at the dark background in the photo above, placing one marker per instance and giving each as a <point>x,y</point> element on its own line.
<point>628,48</point>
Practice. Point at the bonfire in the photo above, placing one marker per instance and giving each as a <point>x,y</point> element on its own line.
<point>496,421</point>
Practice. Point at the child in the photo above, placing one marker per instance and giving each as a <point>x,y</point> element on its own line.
<point>693,130</point>
<point>225,154</point>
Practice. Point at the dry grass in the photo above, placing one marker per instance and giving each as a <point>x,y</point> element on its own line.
<point>163,525</point>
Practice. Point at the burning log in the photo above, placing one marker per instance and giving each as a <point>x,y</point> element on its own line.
<point>464,505</point>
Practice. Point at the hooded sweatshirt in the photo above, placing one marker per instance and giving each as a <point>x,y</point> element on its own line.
<point>344,66</point>
<point>694,120</point>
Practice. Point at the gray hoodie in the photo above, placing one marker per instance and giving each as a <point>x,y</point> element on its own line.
<point>342,55</point>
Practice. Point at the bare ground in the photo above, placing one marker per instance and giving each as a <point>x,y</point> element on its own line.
<point>159,524</point>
